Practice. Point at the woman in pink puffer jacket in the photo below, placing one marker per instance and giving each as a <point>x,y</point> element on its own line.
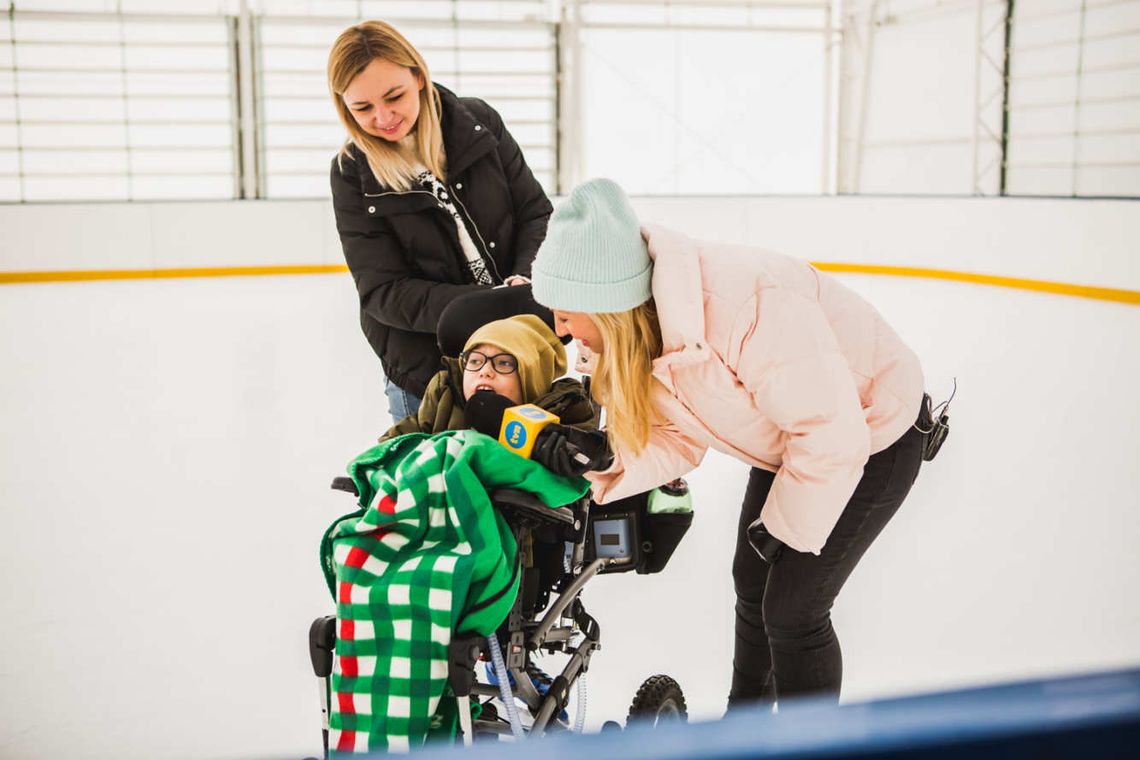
<point>762,357</point>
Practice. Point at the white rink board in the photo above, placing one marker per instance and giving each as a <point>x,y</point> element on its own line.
<point>1082,242</point>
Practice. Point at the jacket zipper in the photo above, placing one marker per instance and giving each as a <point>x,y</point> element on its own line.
<point>397,192</point>
<point>486,252</point>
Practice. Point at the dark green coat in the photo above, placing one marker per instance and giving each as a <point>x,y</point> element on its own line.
<point>443,405</point>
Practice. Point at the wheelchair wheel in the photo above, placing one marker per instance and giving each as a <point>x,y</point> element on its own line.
<point>659,700</point>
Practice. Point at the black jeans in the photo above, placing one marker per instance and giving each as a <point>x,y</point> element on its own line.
<point>785,643</point>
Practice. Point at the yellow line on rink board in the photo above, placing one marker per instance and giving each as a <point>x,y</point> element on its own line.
<point>83,275</point>
<point>1118,295</point>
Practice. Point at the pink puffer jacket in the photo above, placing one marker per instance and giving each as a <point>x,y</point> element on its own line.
<point>776,364</point>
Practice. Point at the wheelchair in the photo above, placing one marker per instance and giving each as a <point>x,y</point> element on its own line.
<point>560,551</point>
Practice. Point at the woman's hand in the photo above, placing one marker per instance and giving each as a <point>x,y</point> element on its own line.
<point>516,279</point>
<point>569,451</point>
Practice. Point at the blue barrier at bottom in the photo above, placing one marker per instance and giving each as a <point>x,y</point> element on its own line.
<point>1086,716</point>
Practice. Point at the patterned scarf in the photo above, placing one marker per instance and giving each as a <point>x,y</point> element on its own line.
<point>476,265</point>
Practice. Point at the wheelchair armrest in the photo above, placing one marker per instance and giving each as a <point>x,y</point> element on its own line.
<point>526,504</point>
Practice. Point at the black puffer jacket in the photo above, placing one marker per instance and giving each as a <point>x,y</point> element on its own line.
<point>403,249</point>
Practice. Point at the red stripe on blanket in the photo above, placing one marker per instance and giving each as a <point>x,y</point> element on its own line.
<point>349,667</point>
<point>345,702</point>
<point>356,557</point>
<point>345,593</point>
<point>347,741</point>
<point>387,505</point>
<point>347,630</point>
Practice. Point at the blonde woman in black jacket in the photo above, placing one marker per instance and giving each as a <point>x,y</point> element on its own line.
<point>433,199</point>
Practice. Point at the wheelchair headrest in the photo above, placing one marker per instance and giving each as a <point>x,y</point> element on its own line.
<point>470,311</point>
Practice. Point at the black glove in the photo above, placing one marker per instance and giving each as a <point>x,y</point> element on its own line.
<point>569,451</point>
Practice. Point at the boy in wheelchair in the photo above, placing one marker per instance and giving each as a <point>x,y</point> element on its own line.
<point>558,550</point>
<point>520,358</point>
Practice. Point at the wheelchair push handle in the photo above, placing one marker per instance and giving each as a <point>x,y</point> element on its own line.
<point>322,641</point>
<point>344,483</point>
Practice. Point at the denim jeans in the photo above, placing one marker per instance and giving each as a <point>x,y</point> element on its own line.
<point>785,643</point>
<point>400,403</point>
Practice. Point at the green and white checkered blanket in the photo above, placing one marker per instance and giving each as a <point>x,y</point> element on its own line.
<point>425,558</point>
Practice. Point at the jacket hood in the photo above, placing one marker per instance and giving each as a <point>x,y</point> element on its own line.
<point>541,357</point>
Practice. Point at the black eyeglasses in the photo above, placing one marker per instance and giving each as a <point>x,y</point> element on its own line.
<point>504,364</point>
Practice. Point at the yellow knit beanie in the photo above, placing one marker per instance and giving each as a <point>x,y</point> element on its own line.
<point>541,357</point>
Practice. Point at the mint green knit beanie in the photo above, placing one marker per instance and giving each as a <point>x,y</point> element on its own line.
<point>594,258</point>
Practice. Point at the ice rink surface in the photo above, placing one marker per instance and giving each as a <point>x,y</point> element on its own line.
<point>167,447</point>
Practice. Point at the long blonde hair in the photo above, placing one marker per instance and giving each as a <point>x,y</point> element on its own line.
<point>354,49</point>
<point>623,376</point>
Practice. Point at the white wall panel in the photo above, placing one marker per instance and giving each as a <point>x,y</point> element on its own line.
<point>920,106</point>
<point>80,236</point>
<point>245,234</point>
